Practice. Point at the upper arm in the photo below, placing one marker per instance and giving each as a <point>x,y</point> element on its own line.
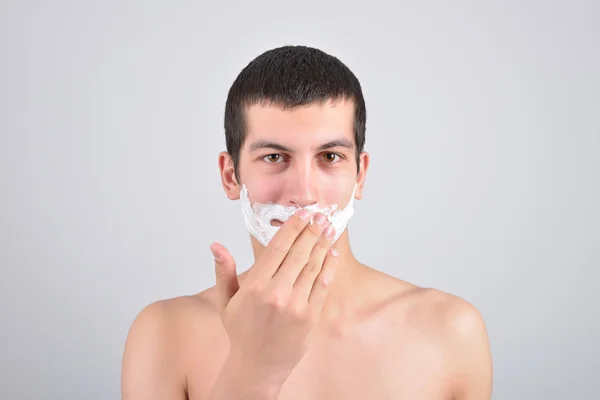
<point>150,367</point>
<point>472,372</point>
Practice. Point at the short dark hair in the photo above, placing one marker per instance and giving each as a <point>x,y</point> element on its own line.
<point>291,76</point>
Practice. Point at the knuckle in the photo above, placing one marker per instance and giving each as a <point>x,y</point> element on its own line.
<point>297,224</point>
<point>324,283</point>
<point>277,249</point>
<point>253,289</point>
<point>313,268</point>
<point>326,277</point>
<point>275,300</point>
<point>315,231</point>
<point>298,312</point>
<point>322,280</point>
<point>297,255</point>
<point>325,242</point>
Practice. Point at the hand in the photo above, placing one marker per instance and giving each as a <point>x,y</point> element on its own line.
<point>270,318</point>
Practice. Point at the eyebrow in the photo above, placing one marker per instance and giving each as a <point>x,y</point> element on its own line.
<point>266,144</point>
<point>343,142</point>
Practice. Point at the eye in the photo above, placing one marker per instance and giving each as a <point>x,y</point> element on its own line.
<point>330,157</point>
<point>273,158</point>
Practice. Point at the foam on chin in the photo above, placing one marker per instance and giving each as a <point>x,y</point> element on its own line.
<point>258,217</point>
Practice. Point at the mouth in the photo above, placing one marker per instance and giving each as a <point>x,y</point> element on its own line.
<point>276,222</point>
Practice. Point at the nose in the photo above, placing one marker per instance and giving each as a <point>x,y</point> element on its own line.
<point>302,186</point>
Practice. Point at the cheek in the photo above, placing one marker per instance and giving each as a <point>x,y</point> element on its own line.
<point>264,190</point>
<point>338,191</point>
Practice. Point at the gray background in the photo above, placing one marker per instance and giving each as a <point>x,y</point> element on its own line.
<point>483,127</point>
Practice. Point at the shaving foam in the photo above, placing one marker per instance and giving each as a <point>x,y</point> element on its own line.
<point>258,216</point>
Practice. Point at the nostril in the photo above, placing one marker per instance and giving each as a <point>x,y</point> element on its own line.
<point>303,204</point>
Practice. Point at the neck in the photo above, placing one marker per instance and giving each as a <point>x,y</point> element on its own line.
<point>342,292</point>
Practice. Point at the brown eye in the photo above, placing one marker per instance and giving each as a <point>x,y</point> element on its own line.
<point>330,157</point>
<point>273,158</point>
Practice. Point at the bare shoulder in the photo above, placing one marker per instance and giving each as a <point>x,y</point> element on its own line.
<point>172,316</point>
<point>443,321</point>
<point>464,337</point>
<point>450,314</point>
<point>175,321</point>
<point>458,330</point>
<point>425,307</point>
<point>155,360</point>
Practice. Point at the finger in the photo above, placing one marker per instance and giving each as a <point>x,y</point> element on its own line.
<point>300,252</point>
<point>279,246</point>
<point>227,283</point>
<point>306,280</point>
<point>322,283</point>
<point>306,257</point>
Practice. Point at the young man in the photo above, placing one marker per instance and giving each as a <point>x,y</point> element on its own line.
<point>307,320</point>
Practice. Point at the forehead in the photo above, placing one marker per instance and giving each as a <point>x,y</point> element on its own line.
<point>311,124</point>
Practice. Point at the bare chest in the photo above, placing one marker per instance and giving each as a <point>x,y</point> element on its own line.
<point>374,368</point>
<point>366,371</point>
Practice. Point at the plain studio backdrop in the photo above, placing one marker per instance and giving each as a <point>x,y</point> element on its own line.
<point>483,128</point>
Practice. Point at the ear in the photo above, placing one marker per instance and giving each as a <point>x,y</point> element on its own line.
<point>229,181</point>
<point>362,174</point>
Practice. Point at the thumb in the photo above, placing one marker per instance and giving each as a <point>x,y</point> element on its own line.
<point>226,275</point>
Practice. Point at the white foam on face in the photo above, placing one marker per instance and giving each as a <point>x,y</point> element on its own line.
<point>258,216</point>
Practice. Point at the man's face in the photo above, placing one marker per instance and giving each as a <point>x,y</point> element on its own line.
<point>301,156</point>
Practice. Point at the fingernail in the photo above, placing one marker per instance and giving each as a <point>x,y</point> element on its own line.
<point>329,231</point>
<point>320,219</point>
<point>335,252</point>
<point>304,215</point>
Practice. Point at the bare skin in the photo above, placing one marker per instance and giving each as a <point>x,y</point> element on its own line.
<point>354,334</point>
<point>390,340</point>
